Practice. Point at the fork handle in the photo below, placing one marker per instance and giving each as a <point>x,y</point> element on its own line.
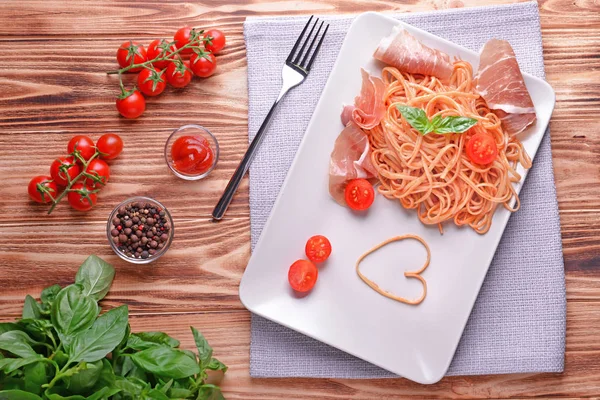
<point>241,170</point>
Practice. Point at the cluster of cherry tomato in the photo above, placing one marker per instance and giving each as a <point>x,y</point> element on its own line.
<point>79,175</point>
<point>191,51</point>
<point>303,274</point>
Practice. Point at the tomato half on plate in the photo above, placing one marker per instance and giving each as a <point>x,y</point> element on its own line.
<point>318,248</point>
<point>303,275</point>
<point>482,149</point>
<point>359,194</point>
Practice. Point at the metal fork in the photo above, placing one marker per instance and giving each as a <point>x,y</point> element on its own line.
<point>296,68</point>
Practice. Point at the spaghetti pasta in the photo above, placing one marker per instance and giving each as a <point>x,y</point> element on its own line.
<point>431,173</point>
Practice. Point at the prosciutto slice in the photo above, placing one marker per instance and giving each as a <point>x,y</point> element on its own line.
<point>501,84</point>
<point>404,51</point>
<point>350,159</point>
<point>369,108</point>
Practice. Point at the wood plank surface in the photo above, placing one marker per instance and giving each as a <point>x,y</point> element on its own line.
<point>53,85</point>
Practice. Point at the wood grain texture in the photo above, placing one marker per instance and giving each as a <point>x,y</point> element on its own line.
<point>55,54</point>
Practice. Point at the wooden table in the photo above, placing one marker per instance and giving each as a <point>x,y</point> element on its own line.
<point>53,86</point>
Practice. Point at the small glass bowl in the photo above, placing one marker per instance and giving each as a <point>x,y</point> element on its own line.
<point>160,252</point>
<point>191,130</point>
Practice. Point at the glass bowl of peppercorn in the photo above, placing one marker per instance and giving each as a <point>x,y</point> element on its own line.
<point>140,230</point>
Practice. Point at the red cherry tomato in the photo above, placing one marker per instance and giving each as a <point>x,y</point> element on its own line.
<point>318,249</point>
<point>131,106</point>
<point>63,170</point>
<point>182,37</point>
<point>81,197</point>
<point>131,53</point>
<point>98,168</point>
<point>83,144</point>
<point>178,74</point>
<point>42,189</point>
<point>203,65</point>
<point>192,155</point>
<point>359,194</point>
<point>109,145</point>
<point>160,48</point>
<point>216,41</point>
<point>151,82</point>
<point>303,275</point>
<point>482,148</point>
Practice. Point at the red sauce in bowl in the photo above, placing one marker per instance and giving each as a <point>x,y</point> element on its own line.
<point>192,155</point>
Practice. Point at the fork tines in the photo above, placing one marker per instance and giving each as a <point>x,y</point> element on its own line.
<point>300,59</point>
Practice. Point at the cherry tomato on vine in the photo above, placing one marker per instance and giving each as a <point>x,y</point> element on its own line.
<point>63,170</point>
<point>178,74</point>
<point>303,275</point>
<point>42,189</point>
<point>109,145</point>
<point>318,248</point>
<point>216,41</point>
<point>81,197</point>
<point>100,169</point>
<point>131,53</point>
<point>203,65</point>
<point>131,104</point>
<point>359,194</point>
<point>151,82</point>
<point>83,144</point>
<point>482,148</point>
<point>183,37</point>
<point>160,48</point>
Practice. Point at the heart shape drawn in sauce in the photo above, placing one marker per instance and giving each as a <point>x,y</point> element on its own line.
<point>408,274</point>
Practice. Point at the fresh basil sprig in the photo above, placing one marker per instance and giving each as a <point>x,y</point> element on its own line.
<point>417,118</point>
<point>63,349</point>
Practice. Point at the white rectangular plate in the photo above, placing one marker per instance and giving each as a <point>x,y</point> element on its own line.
<point>416,342</point>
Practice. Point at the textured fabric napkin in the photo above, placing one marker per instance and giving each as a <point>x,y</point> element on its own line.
<point>518,322</point>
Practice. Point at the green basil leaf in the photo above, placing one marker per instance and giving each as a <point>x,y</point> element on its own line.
<point>130,370</point>
<point>204,349</point>
<point>216,365</point>
<point>56,393</point>
<point>166,362</point>
<point>129,386</point>
<point>49,294</point>
<point>209,392</point>
<point>101,338</point>
<point>452,124</point>
<point>61,358</point>
<point>39,329</point>
<point>31,308</point>
<point>180,393</point>
<point>8,326</point>
<point>145,340</point>
<point>35,376</point>
<point>18,395</point>
<point>106,380</point>
<point>8,365</point>
<point>18,343</point>
<point>96,276</point>
<point>85,378</point>
<point>164,387</point>
<point>73,312</point>
<point>417,118</point>
<point>156,395</point>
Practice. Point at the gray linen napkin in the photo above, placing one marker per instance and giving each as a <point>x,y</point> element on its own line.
<point>518,322</point>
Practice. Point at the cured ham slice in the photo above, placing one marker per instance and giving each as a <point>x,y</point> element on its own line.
<point>350,159</point>
<point>404,51</point>
<point>369,108</point>
<point>501,84</point>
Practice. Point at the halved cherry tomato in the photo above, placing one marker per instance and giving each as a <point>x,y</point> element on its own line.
<point>83,144</point>
<point>303,275</point>
<point>63,170</point>
<point>359,194</point>
<point>182,37</point>
<point>151,82</point>
<point>109,145</point>
<point>42,189</point>
<point>81,197</point>
<point>318,248</point>
<point>178,74</point>
<point>482,148</point>
<point>131,53</point>
<point>132,105</point>
<point>203,64</point>
<point>100,169</point>
<point>216,41</point>
<point>160,48</point>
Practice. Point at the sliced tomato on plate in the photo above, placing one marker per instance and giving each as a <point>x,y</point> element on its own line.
<point>318,248</point>
<point>359,194</point>
<point>482,149</point>
<point>303,275</point>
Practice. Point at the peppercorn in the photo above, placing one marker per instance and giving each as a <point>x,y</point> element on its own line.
<point>127,231</point>
<point>128,223</point>
<point>114,232</point>
<point>145,254</point>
